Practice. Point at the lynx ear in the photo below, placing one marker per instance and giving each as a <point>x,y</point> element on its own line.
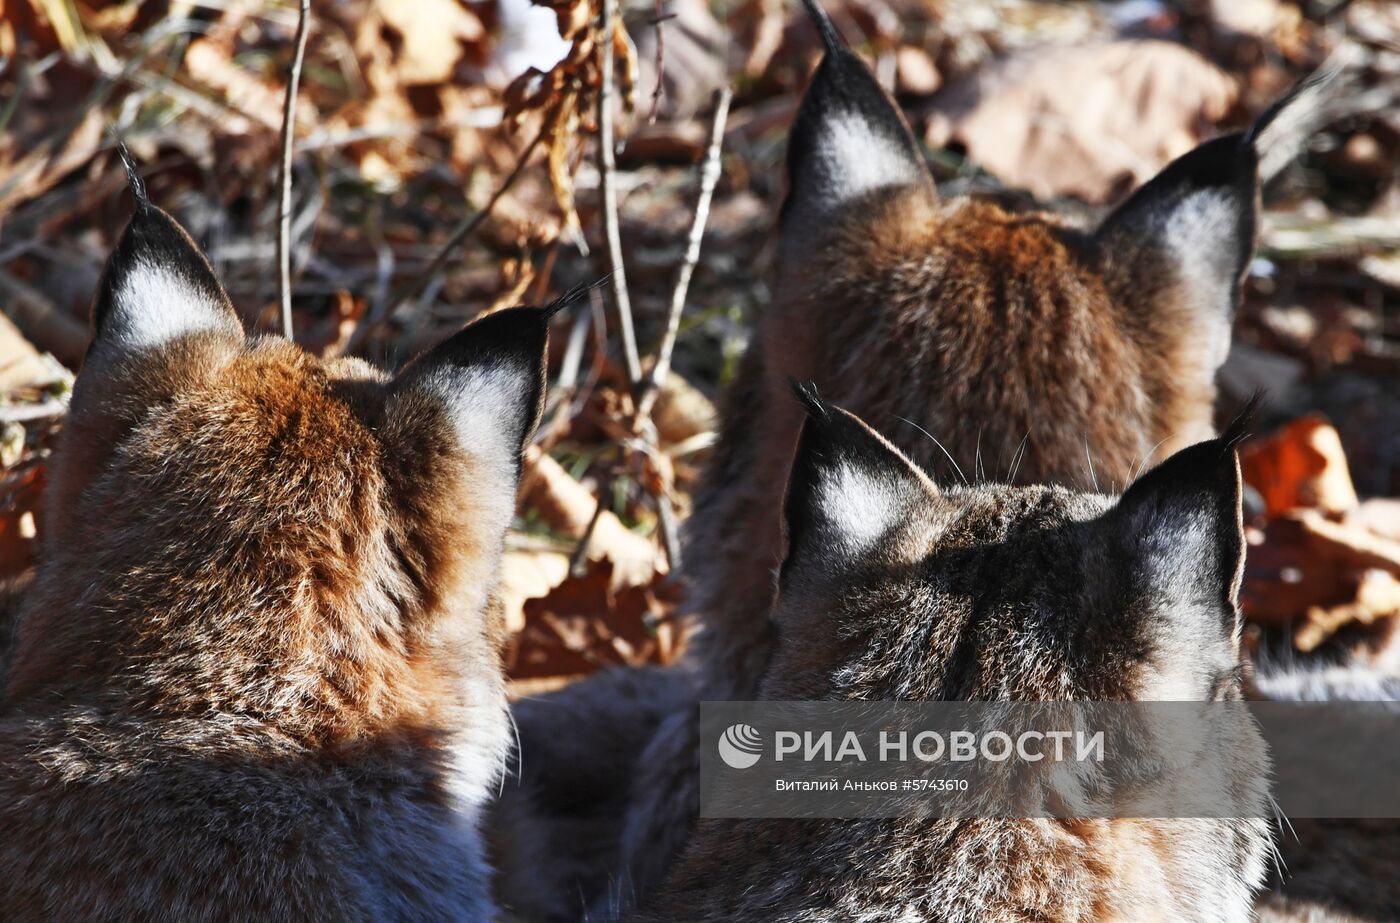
<point>849,487</point>
<point>1183,241</point>
<point>490,379</point>
<point>157,286</point>
<point>1181,530</point>
<point>848,139</point>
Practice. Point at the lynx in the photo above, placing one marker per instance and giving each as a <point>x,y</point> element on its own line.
<point>256,676</point>
<point>894,588</point>
<point>1032,349</point>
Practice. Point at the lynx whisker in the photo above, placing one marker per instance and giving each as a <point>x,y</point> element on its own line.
<point>1093,478</point>
<point>977,471</point>
<point>1142,462</point>
<point>941,448</point>
<point>1018,457</point>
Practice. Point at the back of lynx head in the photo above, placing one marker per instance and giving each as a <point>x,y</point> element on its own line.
<point>1000,331</point>
<point>894,589</point>
<point>238,527</point>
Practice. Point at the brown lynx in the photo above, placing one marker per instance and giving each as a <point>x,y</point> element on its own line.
<point>256,677</point>
<point>894,589</point>
<point>1030,348</point>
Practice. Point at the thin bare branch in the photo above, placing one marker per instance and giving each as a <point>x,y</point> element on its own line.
<point>607,169</point>
<point>47,327</point>
<point>709,178</point>
<point>284,179</point>
<point>658,18</point>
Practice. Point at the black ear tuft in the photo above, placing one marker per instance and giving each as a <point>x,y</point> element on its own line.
<point>849,139</point>
<point>849,487</point>
<point>133,177</point>
<point>1239,427</point>
<point>491,377</point>
<point>811,401</point>
<point>830,37</point>
<point>574,295</point>
<point>157,285</point>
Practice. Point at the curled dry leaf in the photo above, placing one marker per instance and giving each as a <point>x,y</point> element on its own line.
<point>565,96</point>
<point>1377,597</point>
<point>586,623</point>
<point>682,411</point>
<point>1348,545</point>
<point>1303,465</point>
<point>568,507</point>
<point>527,575</point>
<point>432,33</point>
<point>1085,121</point>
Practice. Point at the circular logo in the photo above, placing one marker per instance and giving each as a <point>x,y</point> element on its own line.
<point>740,746</point>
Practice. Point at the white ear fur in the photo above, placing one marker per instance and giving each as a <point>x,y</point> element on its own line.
<point>849,488</point>
<point>153,304</point>
<point>1200,232</point>
<point>859,505</point>
<point>486,406</point>
<point>488,379</point>
<point>852,157</point>
<point>157,287</point>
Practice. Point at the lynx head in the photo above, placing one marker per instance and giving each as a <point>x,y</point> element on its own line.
<point>896,589</point>
<point>236,526</point>
<point>991,592</point>
<point>1018,322</point>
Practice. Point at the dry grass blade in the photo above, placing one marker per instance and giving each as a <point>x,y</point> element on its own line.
<point>284,178</point>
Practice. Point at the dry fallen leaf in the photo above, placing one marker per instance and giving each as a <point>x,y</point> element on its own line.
<point>1302,465</point>
<point>527,575</point>
<point>21,365</point>
<point>209,64</point>
<point>432,33</point>
<point>1377,597</point>
<point>583,624</point>
<point>1283,576</point>
<point>41,168</point>
<point>568,507</point>
<point>1085,121</point>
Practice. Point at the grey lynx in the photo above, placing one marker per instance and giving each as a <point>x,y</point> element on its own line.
<point>896,589</point>
<point>1039,351</point>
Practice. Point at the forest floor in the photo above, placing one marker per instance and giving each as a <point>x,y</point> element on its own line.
<point>417,119</point>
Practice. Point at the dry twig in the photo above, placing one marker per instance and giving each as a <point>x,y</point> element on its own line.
<point>658,18</point>
<point>607,169</point>
<point>48,327</point>
<point>709,177</point>
<point>284,180</point>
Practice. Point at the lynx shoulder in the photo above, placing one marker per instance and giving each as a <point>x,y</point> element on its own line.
<point>255,676</point>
